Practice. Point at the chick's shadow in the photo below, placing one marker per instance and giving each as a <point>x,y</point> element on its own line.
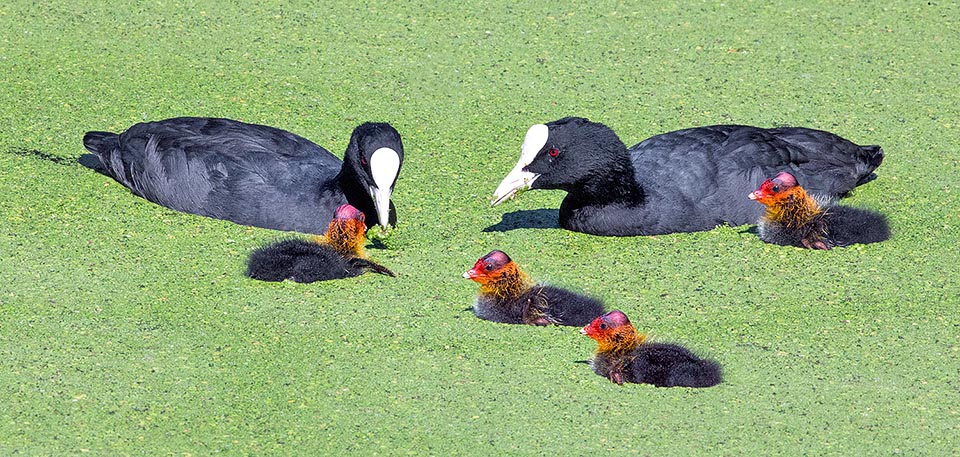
<point>527,218</point>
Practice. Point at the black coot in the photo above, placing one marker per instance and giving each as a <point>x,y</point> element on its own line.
<point>683,181</point>
<point>252,174</point>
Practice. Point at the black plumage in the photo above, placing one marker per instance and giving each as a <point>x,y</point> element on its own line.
<point>306,261</point>
<point>682,181</point>
<point>663,365</point>
<point>624,355</point>
<point>252,174</point>
<point>540,305</point>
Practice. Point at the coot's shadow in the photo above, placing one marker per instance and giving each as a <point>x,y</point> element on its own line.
<point>527,218</point>
<point>92,162</point>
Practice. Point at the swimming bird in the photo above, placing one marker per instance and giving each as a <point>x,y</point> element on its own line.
<point>623,355</point>
<point>252,174</point>
<point>337,254</point>
<point>508,295</point>
<point>794,218</point>
<point>683,181</point>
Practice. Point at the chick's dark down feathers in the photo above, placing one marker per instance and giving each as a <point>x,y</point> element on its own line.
<point>558,306</point>
<point>664,365</point>
<point>305,261</point>
<point>843,226</point>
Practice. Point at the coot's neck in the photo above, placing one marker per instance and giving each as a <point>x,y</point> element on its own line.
<point>616,183</point>
<point>347,237</point>
<point>357,195</point>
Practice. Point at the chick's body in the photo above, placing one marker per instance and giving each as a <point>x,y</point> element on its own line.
<point>508,295</point>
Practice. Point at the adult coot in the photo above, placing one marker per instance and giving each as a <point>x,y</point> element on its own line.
<point>683,181</point>
<point>252,174</point>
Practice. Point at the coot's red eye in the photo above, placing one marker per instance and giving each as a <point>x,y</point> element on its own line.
<point>363,161</point>
<point>553,152</point>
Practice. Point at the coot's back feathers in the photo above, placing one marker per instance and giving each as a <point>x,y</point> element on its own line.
<point>247,173</point>
<point>570,308</point>
<point>848,225</point>
<point>682,181</point>
<point>842,226</point>
<point>539,305</point>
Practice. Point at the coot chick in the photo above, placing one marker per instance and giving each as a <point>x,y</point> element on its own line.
<point>683,181</point>
<point>508,295</point>
<point>252,174</point>
<point>337,254</point>
<point>794,218</point>
<point>623,355</point>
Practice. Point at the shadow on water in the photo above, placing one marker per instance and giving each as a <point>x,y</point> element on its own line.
<point>92,162</point>
<point>527,218</point>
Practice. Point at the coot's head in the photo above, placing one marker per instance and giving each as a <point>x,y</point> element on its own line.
<point>489,267</point>
<point>374,157</point>
<point>563,154</point>
<point>613,331</point>
<point>774,189</point>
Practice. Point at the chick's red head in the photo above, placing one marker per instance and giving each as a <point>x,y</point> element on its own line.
<point>347,231</point>
<point>347,212</point>
<point>488,267</point>
<point>602,327</point>
<point>774,188</point>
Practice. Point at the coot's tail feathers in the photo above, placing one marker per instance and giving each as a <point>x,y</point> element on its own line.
<point>101,142</point>
<point>577,314</point>
<point>101,145</point>
<point>365,264</point>
<point>825,163</point>
<point>870,157</point>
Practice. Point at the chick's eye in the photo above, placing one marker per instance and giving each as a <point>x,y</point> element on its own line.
<point>776,188</point>
<point>603,326</point>
<point>553,152</point>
